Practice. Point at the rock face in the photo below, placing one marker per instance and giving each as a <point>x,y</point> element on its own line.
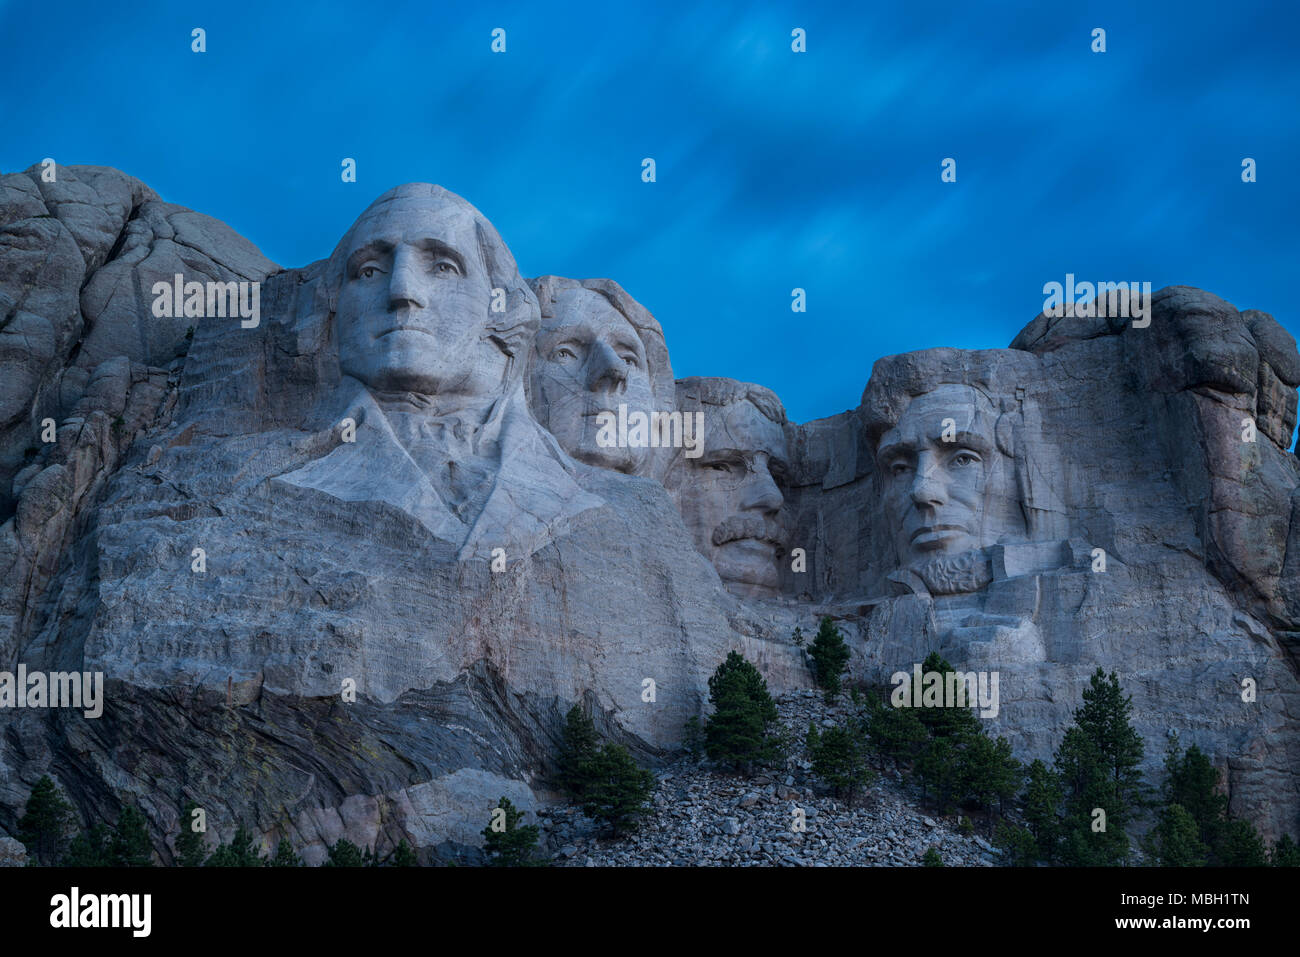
<point>1109,496</point>
<point>345,568</point>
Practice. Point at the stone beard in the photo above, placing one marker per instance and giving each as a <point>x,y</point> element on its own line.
<point>588,361</point>
<point>728,495</point>
<point>949,488</point>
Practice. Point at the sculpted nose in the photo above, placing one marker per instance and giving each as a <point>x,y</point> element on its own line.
<point>761,492</point>
<point>606,372</point>
<point>927,489</point>
<point>404,287</point>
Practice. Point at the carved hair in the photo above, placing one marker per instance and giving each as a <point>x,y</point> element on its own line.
<point>512,330</point>
<point>548,288</point>
<point>712,390</point>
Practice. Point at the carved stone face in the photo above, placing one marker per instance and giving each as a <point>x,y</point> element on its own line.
<point>946,484</point>
<point>412,309</point>
<point>590,360</point>
<point>729,497</point>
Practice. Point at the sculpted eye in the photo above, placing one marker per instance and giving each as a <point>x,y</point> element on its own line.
<point>963,459</point>
<point>631,360</point>
<point>564,352</point>
<point>446,267</point>
<point>898,468</point>
<point>368,271</point>
<point>718,466</point>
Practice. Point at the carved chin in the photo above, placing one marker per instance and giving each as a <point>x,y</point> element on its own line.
<point>955,574</point>
<point>748,566</point>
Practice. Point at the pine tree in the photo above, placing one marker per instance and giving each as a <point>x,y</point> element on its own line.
<point>1176,841</point>
<point>240,852</point>
<point>829,654</point>
<point>931,858</point>
<point>284,856</point>
<point>989,773</point>
<point>516,845</point>
<point>896,733</point>
<point>619,789</point>
<point>955,723</point>
<point>404,856</point>
<point>190,848</point>
<point>936,769</point>
<point>90,848</point>
<point>1042,809</point>
<point>738,733</point>
<point>577,749</point>
<point>344,854</point>
<point>839,758</point>
<point>1241,846</point>
<point>1098,762</point>
<point>45,823</point>
<point>1088,789</point>
<point>1286,852</point>
<point>1106,719</point>
<point>129,845</point>
<point>1192,782</point>
<point>1019,844</point>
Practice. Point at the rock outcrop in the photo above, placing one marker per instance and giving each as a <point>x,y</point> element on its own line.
<point>342,581</point>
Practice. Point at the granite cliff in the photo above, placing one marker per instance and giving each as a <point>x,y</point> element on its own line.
<point>345,560</point>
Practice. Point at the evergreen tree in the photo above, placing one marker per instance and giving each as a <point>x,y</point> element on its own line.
<point>516,845</point>
<point>240,852</point>
<point>284,856</point>
<point>829,655</point>
<point>618,790</point>
<point>404,856</point>
<point>989,773</point>
<point>1098,762</point>
<point>1241,846</point>
<point>1106,720</point>
<point>1177,840</point>
<point>577,749</point>
<point>839,758</point>
<point>129,845</point>
<point>1089,802</point>
<point>190,849</point>
<point>1286,852</point>
<point>1192,782</point>
<point>45,823</point>
<point>937,770</point>
<point>931,858</point>
<point>896,733</point>
<point>1042,809</point>
<point>1019,844</point>
<point>344,854</point>
<point>91,848</point>
<point>957,723</point>
<point>738,733</point>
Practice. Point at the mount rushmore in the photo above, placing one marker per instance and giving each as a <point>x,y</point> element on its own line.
<point>479,499</point>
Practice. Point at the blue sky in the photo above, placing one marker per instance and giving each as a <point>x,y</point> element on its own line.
<point>775,170</point>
